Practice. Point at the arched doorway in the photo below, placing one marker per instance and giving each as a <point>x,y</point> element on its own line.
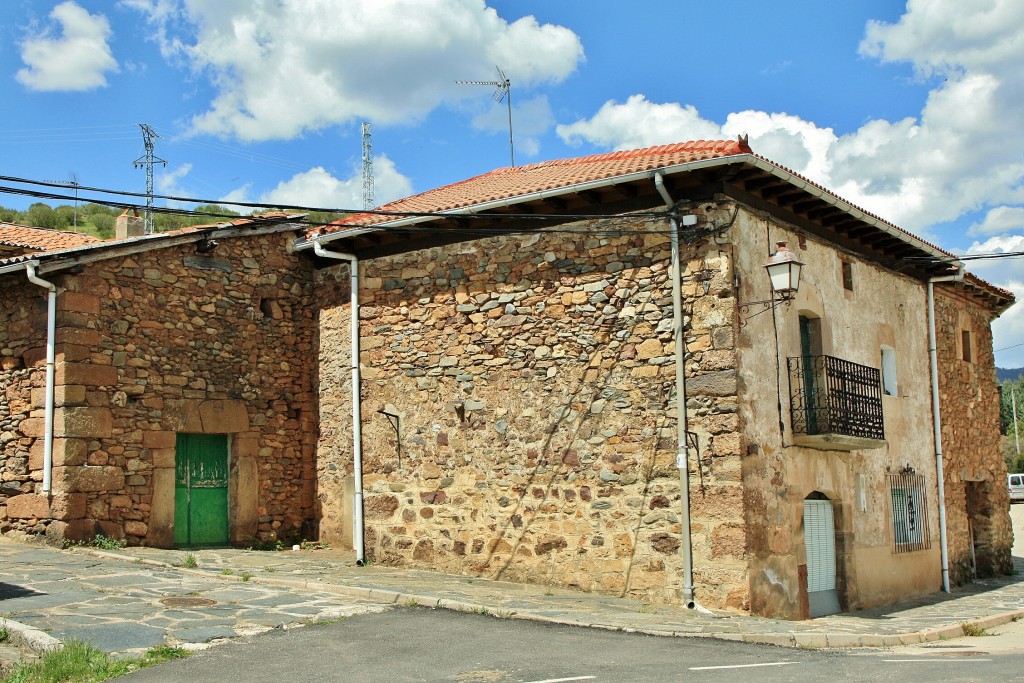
<point>820,546</point>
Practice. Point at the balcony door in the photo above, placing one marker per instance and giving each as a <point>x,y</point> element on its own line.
<point>810,346</point>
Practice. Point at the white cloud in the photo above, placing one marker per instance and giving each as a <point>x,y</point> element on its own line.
<point>639,122</point>
<point>78,59</point>
<point>998,220</point>
<point>961,154</point>
<point>171,183</point>
<point>1008,329</point>
<point>284,68</point>
<point>317,187</point>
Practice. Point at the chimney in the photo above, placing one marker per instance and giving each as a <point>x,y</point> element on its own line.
<point>129,224</point>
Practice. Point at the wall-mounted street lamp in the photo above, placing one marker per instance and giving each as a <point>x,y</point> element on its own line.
<point>784,273</point>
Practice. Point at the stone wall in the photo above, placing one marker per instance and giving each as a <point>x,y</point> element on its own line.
<point>169,341</point>
<point>22,370</point>
<point>977,501</point>
<point>533,377</point>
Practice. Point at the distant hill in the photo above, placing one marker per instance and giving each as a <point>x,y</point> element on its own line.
<point>1008,374</point>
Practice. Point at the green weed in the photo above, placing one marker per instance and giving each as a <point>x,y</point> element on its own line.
<point>973,630</point>
<point>83,662</point>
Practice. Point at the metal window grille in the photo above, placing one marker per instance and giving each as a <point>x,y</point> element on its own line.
<point>909,513</point>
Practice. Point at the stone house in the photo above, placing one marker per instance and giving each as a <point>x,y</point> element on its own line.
<point>521,409</point>
<point>530,360</point>
<point>177,406</point>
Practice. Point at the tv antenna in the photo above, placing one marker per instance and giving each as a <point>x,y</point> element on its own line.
<point>503,89</point>
<point>71,182</point>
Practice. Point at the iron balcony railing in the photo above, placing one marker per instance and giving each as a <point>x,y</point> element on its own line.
<point>832,396</point>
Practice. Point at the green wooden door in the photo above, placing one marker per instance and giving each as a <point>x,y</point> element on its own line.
<point>201,490</point>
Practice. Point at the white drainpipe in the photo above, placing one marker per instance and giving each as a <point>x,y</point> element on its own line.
<point>681,416</point>
<point>51,333</point>
<point>357,424</point>
<point>937,420</point>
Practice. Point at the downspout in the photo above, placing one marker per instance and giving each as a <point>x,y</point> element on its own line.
<point>682,426</point>
<point>937,420</point>
<point>51,334</point>
<point>357,424</point>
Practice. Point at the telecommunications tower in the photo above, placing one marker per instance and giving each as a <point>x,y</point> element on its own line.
<point>147,161</point>
<point>367,167</point>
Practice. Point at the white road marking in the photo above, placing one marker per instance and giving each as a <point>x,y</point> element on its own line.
<point>944,659</point>
<point>740,666</point>
<point>563,680</point>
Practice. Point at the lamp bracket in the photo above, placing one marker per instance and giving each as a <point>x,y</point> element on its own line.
<point>765,305</point>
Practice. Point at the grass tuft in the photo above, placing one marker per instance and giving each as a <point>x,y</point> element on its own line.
<point>79,662</point>
<point>973,630</point>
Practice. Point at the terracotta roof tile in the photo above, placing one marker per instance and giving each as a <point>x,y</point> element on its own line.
<point>41,239</point>
<point>506,183</point>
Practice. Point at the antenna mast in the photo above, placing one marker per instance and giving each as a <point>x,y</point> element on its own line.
<point>148,161</point>
<point>503,88</point>
<point>367,167</point>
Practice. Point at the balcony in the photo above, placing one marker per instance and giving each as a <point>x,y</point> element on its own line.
<point>834,404</point>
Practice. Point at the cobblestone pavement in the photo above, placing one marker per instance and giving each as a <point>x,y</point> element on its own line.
<point>119,599</point>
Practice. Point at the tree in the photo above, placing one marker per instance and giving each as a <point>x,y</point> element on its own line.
<point>1010,393</point>
<point>40,215</point>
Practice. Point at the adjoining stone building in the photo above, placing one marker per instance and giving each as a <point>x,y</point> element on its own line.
<point>519,408</point>
<point>191,344</point>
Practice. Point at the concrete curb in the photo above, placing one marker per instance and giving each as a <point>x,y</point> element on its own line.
<point>804,639</point>
<point>32,638</point>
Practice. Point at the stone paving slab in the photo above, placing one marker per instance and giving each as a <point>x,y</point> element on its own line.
<point>117,605</point>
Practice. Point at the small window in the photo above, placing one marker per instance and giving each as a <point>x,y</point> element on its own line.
<point>965,343</point>
<point>889,386</point>
<point>909,512</point>
<point>847,276</point>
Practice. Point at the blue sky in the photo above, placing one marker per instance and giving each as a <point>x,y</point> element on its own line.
<point>908,110</point>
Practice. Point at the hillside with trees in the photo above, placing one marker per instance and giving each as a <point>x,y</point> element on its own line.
<point>1011,392</point>
<point>98,220</point>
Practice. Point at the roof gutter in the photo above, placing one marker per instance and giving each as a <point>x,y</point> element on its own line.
<point>682,426</point>
<point>937,421</point>
<point>51,333</point>
<point>358,523</point>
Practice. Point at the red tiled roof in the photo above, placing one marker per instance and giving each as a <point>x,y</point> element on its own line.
<point>41,239</point>
<point>517,181</point>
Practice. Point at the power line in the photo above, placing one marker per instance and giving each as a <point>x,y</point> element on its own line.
<point>296,207</point>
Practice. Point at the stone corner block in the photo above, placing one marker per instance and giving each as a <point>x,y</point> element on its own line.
<point>88,478</point>
<point>81,421</point>
<point>28,506</point>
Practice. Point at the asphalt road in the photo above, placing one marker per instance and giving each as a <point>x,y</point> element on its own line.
<point>418,644</point>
